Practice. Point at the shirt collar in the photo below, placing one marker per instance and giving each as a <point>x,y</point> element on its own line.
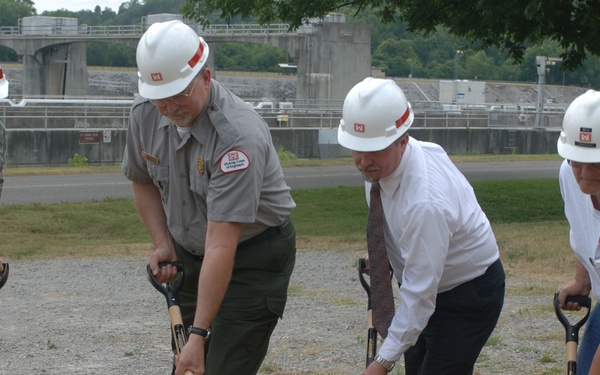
<point>391,184</point>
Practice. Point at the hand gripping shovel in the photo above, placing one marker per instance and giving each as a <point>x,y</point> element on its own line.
<point>4,275</point>
<point>172,296</point>
<point>371,331</point>
<point>572,331</point>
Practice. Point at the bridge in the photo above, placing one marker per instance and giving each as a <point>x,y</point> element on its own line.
<point>331,57</point>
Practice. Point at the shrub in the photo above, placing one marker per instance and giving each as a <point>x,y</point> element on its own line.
<point>78,161</point>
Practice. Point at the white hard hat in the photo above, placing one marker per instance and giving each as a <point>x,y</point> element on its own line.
<point>580,136</point>
<point>3,85</point>
<point>375,114</point>
<point>169,55</point>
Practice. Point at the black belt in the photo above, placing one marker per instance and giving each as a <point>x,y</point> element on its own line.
<point>266,234</point>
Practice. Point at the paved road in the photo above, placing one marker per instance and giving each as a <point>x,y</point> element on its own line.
<point>81,188</point>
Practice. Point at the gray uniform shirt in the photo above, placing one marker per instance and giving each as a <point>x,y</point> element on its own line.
<point>225,169</point>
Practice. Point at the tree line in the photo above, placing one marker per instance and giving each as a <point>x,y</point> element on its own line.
<point>437,54</point>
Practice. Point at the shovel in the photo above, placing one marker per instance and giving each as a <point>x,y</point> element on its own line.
<point>572,330</point>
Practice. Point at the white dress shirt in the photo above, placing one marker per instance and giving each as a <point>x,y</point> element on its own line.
<point>584,221</point>
<point>436,234</point>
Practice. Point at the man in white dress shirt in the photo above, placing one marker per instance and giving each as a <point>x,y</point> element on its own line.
<point>579,178</point>
<point>439,242</point>
<point>3,146</point>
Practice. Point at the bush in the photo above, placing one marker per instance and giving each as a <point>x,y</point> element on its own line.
<point>78,161</point>
<point>285,155</point>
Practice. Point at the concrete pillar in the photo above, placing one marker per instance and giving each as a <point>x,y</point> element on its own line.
<point>333,60</point>
<point>59,70</point>
<point>65,69</point>
<point>33,73</point>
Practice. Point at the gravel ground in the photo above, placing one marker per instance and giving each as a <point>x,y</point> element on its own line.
<point>101,316</point>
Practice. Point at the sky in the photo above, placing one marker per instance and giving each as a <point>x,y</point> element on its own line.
<point>75,5</point>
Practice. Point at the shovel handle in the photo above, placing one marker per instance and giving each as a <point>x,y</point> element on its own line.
<point>172,296</point>
<point>362,264</point>
<point>170,293</point>
<point>4,275</point>
<point>371,346</point>
<point>572,330</point>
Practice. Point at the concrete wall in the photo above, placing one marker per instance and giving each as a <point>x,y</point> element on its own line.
<point>55,147</point>
<point>331,62</point>
<point>101,147</point>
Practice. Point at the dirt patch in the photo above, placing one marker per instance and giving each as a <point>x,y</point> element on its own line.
<point>101,316</point>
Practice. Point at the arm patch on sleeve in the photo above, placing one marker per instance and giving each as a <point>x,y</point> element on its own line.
<point>234,160</point>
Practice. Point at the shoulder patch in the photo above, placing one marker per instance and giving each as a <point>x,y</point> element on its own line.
<point>234,160</point>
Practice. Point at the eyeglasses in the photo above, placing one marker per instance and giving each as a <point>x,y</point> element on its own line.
<point>179,99</point>
<point>576,164</point>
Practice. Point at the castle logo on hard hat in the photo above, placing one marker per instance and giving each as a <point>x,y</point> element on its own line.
<point>585,135</point>
<point>585,138</point>
<point>156,77</point>
<point>359,128</point>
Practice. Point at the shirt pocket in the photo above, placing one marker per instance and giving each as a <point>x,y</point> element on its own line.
<point>160,176</point>
<point>199,183</point>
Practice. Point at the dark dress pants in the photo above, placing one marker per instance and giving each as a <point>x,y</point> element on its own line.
<point>463,320</point>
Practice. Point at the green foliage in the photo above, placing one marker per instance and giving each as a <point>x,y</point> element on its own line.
<point>78,161</point>
<point>51,344</point>
<point>517,201</point>
<point>12,10</point>
<point>104,54</point>
<point>285,155</point>
<point>8,54</point>
<point>397,56</point>
<point>35,230</point>
<point>399,46</point>
<point>337,212</point>
<point>248,57</point>
<point>510,26</point>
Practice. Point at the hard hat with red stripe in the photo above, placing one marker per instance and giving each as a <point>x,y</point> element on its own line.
<point>169,55</point>
<point>3,85</point>
<point>580,136</point>
<point>375,113</point>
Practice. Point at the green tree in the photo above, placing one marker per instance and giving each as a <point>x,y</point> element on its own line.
<point>478,66</point>
<point>12,10</point>
<point>395,56</point>
<point>510,25</point>
<point>248,57</point>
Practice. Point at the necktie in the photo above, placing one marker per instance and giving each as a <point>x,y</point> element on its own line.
<point>382,297</point>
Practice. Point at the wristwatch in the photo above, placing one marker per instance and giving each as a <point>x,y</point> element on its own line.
<point>200,332</point>
<point>388,365</point>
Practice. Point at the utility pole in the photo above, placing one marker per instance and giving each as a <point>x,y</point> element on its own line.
<point>542,62</point>
<point>458,52</point>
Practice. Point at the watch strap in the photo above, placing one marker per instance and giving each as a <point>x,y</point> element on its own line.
<point>199,331</point>
<point>388,365</point>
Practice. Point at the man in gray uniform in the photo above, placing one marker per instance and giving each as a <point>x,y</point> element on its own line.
<point>3,146</point>
<point>208,185</point>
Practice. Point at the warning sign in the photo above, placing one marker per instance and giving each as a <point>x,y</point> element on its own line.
<point>89,138</point>
<point>107,136</point>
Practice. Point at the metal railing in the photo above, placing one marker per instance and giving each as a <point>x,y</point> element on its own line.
<point>114,113</point>
<point>71,31</point>
<point>65,113</point>
<point>52,31</point>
